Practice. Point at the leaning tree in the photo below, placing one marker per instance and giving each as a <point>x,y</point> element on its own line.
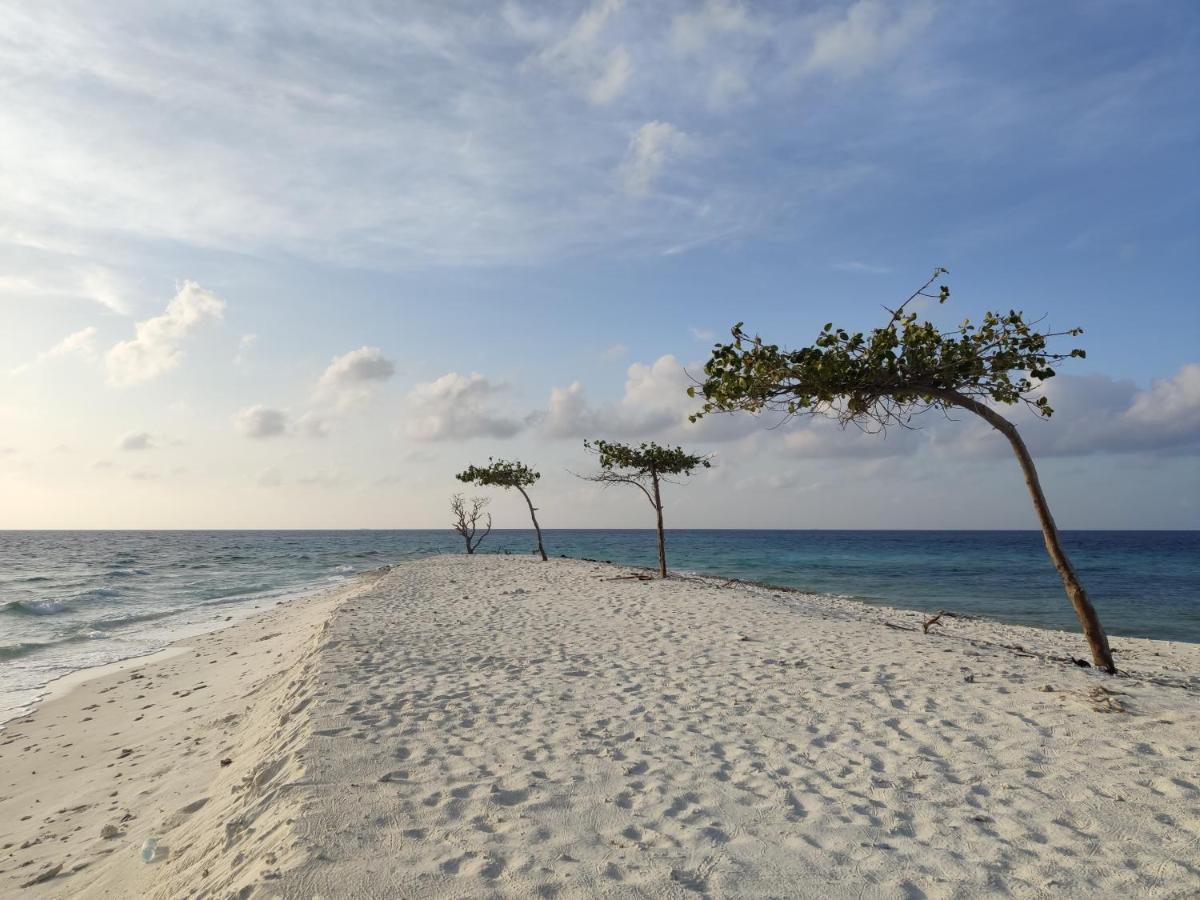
<point>645,467</point>
<point>884,378</point>
<point>506,474</point>
<point>467,520</point>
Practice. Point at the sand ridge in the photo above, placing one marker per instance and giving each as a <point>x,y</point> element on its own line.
<point>501,727</point>
<point>498,726</point>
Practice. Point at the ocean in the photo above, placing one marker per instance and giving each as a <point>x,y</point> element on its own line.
<point>71,600</point>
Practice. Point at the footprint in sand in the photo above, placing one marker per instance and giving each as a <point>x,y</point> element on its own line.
<point>509,797</point>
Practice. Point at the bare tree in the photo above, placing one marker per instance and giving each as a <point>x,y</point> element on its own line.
<point>508,474</point>
<point>466,520</point>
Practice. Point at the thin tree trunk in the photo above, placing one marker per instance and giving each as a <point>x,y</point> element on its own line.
<point>1092,629</point>
<point>536,527</point>
<point>662,543</point>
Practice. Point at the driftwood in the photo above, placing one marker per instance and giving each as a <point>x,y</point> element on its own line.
<point>933,620</point>
<point>638,576</point>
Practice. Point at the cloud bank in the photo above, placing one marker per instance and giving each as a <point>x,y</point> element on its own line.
<point>413,133</point>
<point>1093,414</point>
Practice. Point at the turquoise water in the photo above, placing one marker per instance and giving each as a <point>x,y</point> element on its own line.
<point>69,600</point>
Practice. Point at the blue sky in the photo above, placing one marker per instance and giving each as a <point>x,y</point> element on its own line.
<point>288,265</point>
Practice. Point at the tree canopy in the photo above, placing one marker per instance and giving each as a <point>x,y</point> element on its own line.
<point>647,458</point>
<point>500,473</point>
<point>887,375</point>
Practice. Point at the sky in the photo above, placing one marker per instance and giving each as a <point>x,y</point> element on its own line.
<point>294,264</point>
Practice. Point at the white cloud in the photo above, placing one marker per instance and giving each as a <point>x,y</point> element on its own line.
<point>80,343</point>
<point>104,287</point>
<point>65,278</point>
<point>402,138</point>
<point>872,33</point>
<point>651,147</point>
<point>261,422</point>
<point>568,413</point>
<point>613,79</point>
<point>654,404</point>
<point>525,26</point>
<point>312,425</point>
<point>584,31</point>
<point>457,407</point>
<point>1095,414</point>
<point>580,57</point>
<point>352,376</point>
<point>1172,405</point>
<point>727,86</point>
<point>157,346</point>
<point>138,440</point>
<point>702,334</point>
<point>727,42</point>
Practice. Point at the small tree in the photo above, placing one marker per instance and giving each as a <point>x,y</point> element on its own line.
<point>466,521</point>
<point>907,367</point>
<point>507,474</point>
<point>645,467</point>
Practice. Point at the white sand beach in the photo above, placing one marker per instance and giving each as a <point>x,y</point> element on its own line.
<point>500,727</point>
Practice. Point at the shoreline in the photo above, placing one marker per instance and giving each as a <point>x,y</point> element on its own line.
<point>866,602</point>
<point>134,749</point>
<point>62,684</point>
<point>251,606</point>
<point>1168,615</point>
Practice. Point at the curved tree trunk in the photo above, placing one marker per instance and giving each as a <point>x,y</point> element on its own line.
<point>1092,629</point>
<point>536,527</point>
<point>662,543</point>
